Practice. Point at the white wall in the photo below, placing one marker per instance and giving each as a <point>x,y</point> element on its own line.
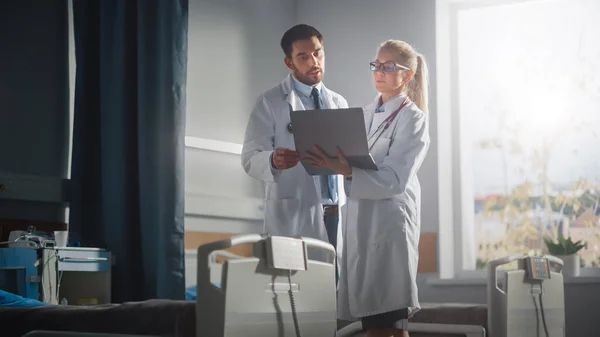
<point>234,55</point>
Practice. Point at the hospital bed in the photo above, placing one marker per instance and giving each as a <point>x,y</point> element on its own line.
<point>253,295</point>
<point>251,286</point>
<point>278,291</point>
<point>516,305</point>
<point>254,298</point>
<point>514,299</point>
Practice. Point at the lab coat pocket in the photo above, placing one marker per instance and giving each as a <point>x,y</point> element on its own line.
<point>282,216</point>
<point>388,224</point>
<point>380,149</point>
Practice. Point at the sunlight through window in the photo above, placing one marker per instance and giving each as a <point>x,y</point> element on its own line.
<point>529,100</point>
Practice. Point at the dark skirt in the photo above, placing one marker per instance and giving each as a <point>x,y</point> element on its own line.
<point>387,320</point>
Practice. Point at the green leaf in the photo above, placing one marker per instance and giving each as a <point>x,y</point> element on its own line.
<point>563,246</point>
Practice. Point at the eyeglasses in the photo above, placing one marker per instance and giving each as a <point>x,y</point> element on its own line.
<point>387,66</point>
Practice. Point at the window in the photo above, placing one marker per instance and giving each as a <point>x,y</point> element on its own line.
<point>525,98</point>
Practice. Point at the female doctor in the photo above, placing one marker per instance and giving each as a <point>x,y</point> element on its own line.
<point>381,226</point>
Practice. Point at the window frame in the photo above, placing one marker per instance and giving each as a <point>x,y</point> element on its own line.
<point>454,178</point>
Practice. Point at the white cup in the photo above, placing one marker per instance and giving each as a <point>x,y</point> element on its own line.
<point>61,238</point>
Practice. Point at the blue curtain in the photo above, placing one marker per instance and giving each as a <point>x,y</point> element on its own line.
<point>129,140</point>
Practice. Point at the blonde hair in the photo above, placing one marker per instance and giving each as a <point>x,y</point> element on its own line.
<point>417,87</point>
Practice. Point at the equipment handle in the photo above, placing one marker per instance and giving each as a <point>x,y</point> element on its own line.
<point>310,242</point>
<point>82,259</point>
<point>494,264</point>
<point>556,261</point>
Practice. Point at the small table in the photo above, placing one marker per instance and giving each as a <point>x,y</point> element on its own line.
<point>82,276</point>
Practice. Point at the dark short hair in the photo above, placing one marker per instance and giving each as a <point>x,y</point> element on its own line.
<point>297,33</point>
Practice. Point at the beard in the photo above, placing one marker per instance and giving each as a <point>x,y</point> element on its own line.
<point>308,78</point>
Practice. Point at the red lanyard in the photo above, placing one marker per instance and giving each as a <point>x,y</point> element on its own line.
<point>388,121</point>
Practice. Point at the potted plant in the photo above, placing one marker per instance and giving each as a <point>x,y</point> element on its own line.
<point>566,250</point>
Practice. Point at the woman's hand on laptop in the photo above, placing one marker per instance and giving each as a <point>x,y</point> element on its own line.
<point>338,164</point>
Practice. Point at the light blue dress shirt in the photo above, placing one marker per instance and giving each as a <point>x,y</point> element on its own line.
<point>381,107</point>
<point>329,194</point>
<point>380,114</point>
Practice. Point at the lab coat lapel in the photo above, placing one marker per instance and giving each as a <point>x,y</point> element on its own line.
<point>296,104</point>
<point>369,114</point>
<point>290,95</point>
<point>294,101</point>
<point>330,101</point>
<point>392,105</point>
<point>375,136</point>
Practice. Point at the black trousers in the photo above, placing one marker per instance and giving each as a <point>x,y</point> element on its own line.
<point>331,225</point>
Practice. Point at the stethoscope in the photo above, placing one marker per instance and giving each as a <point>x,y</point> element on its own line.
<point>388,121</point>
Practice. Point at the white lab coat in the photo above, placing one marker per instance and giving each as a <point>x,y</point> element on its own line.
<point>381,227</point>
<point>292,197</point>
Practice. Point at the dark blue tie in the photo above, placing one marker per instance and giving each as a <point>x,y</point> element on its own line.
<point>315,95</point>
<point>331,184</point>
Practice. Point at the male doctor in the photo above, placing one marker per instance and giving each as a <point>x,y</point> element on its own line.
<point>296,204</point>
